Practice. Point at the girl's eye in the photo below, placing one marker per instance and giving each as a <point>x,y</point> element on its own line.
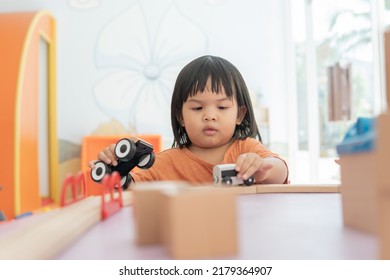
<point>222,107</point>
<point>197,108</point>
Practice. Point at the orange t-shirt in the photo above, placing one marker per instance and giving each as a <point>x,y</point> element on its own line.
<point>182,165</point>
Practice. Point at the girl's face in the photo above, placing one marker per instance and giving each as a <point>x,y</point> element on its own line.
<point>210,118</point>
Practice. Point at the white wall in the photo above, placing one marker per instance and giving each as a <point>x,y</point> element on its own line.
<point>119,59</point>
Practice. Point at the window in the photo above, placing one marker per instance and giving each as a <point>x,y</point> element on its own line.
<point>337,71</point>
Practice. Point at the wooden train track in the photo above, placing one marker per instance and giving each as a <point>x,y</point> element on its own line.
<point>46,235</point>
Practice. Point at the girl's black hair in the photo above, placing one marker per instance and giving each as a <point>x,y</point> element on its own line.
<point>193,78</point>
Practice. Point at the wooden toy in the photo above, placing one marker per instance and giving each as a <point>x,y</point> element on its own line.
<point>382,183</point>
<point>282,188</point>
<point>359,174</point>
<point>147,210</point>
<point>387,65</point>
<point>49,233</point>
<point>191,222</point>
<point>383,172</point>
<point>110,184</point>
<point>384,226</point>
<point>238,189</point>
<point>297,188</point>
<point>199,223</point>
<point>76,186</point>
<point>365,186</point>
<point>48,236</point>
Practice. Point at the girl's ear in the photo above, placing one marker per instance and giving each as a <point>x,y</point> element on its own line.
<point>180,120</point>
<point>241,114</point>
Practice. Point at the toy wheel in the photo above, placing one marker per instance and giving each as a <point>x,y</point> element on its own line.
<point>146,161</point>
<point>125,149</point>
<point>249,182</point>
<point>227,180</point>
<point>100,169</point>
<point>125,181</point>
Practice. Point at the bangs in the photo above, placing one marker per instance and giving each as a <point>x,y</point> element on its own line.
<point>214,70</point>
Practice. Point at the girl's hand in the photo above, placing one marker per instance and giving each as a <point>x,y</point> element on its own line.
<point>251,164</point>
<point>107,155</point>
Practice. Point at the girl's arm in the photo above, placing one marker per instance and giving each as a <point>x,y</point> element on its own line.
<point>277,174</point>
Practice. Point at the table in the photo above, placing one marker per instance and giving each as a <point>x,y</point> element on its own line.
<point>292,226</point>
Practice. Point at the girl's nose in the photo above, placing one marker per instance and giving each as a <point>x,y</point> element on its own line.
<point>209,116</point>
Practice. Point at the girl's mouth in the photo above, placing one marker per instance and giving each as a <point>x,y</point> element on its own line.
<point>209,131</point>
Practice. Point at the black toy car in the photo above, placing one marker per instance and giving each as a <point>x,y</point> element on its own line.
<point>129,155</point>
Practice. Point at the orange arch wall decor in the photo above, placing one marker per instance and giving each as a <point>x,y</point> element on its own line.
<point>21,34</point>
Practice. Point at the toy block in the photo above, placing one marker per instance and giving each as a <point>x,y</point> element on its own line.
<point>359,175</point>
<point>199,223</point>
<point>384,227</point>
<point>297,188</point>
<point>147,210</point>
<point>365,178</point>
<point>359,197</point>
<point>383,184</point>
<point>383,152</point>
<point>387,64</point>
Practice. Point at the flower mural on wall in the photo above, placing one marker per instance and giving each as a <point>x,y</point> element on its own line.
<point>143,63</point>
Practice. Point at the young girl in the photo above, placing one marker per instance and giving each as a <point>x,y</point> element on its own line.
<point>213,123</point>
